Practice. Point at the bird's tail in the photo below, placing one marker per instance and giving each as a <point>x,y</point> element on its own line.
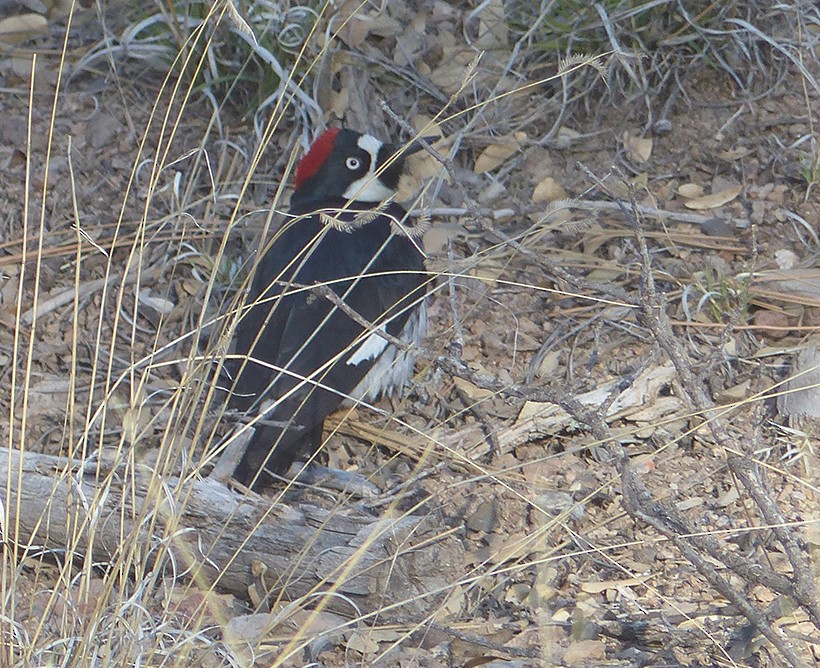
<point>275,445</point>
<point>272,450</point>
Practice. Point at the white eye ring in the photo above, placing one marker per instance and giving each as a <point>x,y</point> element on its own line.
<point>353,163</point>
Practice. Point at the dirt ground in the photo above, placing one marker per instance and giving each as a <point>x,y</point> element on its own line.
<point>554,569</point>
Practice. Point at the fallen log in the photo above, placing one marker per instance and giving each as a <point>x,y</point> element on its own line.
<point>132,519</point>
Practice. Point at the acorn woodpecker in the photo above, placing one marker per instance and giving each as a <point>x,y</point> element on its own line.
<point>340,274</point>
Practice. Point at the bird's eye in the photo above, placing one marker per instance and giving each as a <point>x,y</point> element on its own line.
<point>353,163</point>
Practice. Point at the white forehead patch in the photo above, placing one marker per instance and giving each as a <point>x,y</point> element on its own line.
<point>371,145</point>
<point>369,188</point>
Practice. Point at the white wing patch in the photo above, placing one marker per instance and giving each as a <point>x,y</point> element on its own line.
<point>394,366</point>
<point>369,349</point>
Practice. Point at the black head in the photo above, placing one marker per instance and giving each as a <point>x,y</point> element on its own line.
<point>349,165</point>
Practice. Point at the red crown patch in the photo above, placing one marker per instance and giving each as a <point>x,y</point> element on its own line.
<point>316,156</point>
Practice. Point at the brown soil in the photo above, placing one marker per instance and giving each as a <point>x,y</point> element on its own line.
<point>567,577</point>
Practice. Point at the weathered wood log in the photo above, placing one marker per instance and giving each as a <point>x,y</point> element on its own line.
<point>223,539</point>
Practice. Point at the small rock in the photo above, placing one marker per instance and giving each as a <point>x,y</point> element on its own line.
<point>582,652</point>
<point>484,518</point>
<point>772,323</point>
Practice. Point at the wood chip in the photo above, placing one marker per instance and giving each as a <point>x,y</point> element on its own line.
<point>714,200</point>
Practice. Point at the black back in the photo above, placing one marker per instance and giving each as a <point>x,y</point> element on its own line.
<point>292,333</point>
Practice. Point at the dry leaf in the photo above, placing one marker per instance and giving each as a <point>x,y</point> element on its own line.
<point>566,136</point>
<point>471,391</point>
<point>518,593</point>
<point>690,190</point>
<point>585,653</point>
<point>18,29</point>
<point>714,200</point>
<point>453,605</point>
<point>340,102</point>
<point>774,324</point>
<point>638,148</point>
<point>636,399</point>
<point>803,390</point>
<point>599,587</point>
<point>353,32</point>
<point>488,271</point>
<point>426,126</point>
<point>409,47</point>
<point>549,364</point>
<point>492,31</point>
<point>435,239</point>
<point>453,70</point>
<point>548,190</point>
<point>248,629</point>
<point>9,285</point>
<point>624,190</point>
<point>354,29</point>
<point>497,153</point>
<point>383,25</point>
<point>734,393</point>
<point>362,644</point>
<point>422,165</point>
<point>604,274</point>
<point>561,616</point>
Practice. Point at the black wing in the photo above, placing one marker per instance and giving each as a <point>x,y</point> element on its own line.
<point>299,342</point>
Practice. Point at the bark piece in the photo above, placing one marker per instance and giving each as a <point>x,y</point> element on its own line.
<point>221,538</point>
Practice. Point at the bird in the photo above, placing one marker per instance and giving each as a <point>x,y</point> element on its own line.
<point>341,284</point>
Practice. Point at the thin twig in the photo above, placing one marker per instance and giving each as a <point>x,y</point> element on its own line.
<point>652,314</point>
<point>665,519</point>
<point>483,642</point>
<point>381,331</point>
<point>484,217</point>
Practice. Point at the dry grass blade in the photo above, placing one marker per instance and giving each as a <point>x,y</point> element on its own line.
<point>605,454</point>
